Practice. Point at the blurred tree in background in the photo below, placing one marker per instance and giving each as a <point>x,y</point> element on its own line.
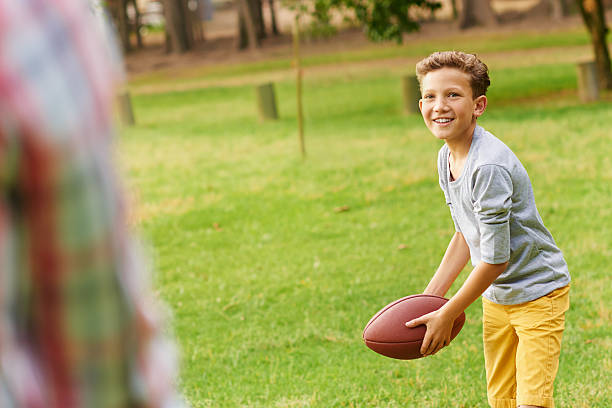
<point>183,24</point>
<point>179,36</point>
<point>120,11</point>
<point>251,24</point>
<point>390,19</point>
<point>381,20</point>
<point>476,12</point>
<point>594,17</point>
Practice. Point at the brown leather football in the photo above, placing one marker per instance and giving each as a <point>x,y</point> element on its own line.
<point>386,332</point>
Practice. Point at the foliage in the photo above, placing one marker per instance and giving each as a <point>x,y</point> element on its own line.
<point>382,20</point>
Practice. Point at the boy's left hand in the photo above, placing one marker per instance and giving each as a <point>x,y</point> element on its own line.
<point>438,334</point>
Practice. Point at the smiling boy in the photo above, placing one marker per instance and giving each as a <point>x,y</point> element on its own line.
<point>518,268</point>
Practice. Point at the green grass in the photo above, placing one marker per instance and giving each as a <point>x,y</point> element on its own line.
<point>271,287</point>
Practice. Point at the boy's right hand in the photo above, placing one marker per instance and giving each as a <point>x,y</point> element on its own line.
<point>438,335</point>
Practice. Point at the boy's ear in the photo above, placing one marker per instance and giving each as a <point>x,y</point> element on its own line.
<point>421,105</point>
<point>480,104</point>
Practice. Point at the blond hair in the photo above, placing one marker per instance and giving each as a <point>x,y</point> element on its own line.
<point>467,63</point>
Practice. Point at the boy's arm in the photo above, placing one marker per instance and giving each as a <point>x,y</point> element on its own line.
<point>439,323</point>
<point>455,258</point>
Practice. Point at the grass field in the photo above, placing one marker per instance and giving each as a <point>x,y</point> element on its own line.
<point>271,285</point>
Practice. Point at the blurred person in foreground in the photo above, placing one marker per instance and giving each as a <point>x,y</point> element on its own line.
<point>78,327</point>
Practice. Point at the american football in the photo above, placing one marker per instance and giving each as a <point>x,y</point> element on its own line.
<point>387,334</point>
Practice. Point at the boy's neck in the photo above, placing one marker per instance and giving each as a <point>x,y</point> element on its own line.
<point>460,147</point>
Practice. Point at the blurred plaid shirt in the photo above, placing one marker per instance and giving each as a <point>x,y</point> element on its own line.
<point>78,326</point>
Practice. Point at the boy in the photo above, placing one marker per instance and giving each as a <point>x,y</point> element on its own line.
<point>519,270</point>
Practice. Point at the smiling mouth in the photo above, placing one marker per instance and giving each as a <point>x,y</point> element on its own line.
<point>443,120</point>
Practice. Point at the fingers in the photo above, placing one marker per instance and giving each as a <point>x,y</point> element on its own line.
<point>415,322</point>
<point>437,335</point>
<point>419,320</point>
<point>429,349</point>
<point>431,346</point>
<point>439,347</point>
<point>426,345</point>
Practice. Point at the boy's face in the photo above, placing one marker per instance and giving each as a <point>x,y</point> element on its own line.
<point>447,105</point>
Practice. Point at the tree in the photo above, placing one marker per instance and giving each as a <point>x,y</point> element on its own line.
<point>382,20</point>
<point>476,12</point>
<point>250,17</point>
<point>558,9</point>
<point>183,24</point>
<point>178,34</point>
<point>273,18</point>
<point>555,9</point>
<point>125,27</point>
<point>595,21</point>
<point>250,23</point>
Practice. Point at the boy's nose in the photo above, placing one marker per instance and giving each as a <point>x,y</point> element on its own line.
<point>439,105</point>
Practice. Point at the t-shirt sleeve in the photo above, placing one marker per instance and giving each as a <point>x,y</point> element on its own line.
<point>492,200</point>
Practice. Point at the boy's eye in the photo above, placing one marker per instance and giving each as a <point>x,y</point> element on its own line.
<point>453,94</point>
<point>427,96</point>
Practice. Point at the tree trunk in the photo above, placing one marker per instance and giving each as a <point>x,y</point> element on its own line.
<point>594,18</point>
<point>197,17</point>
<point>178,26</point>
<point>558,9</point>
<point>455,11</point>
<point>136,25</point>
<point>242,39</point>
<point>189,27</point>
<point>257,8</point>
<point>273,17</point>
<point>476,12</point>
<point>247,35</point>
<point>123,25</point>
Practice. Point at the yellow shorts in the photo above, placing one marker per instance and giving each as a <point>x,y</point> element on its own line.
<point>522,344</point>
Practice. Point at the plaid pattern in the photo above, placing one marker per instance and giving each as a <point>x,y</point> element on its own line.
<point>77,325</point>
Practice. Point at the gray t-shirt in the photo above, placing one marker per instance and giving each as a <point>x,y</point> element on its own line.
<point>493,206</point>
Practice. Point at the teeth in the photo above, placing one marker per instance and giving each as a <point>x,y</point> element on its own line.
<point>443,120</point>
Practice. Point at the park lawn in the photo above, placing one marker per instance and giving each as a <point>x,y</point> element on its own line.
<point>272,264</point>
